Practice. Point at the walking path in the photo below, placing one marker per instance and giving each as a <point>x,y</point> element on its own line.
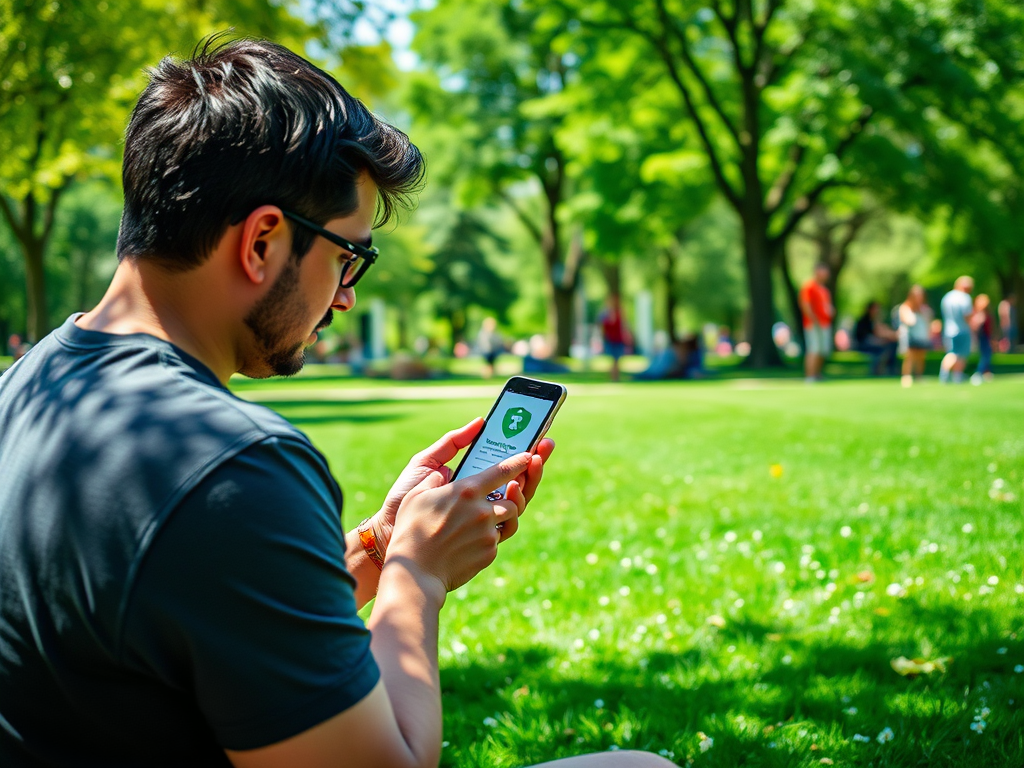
<point>485,390</point>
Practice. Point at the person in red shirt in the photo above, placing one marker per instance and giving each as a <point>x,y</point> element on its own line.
<point>818,313</point>
<point>614,333</point>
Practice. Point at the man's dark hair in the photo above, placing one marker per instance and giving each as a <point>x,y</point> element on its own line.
<point>246,124</point>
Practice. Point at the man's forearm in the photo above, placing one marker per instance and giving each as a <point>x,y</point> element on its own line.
<point>404,627</point>
<point>366,574</point>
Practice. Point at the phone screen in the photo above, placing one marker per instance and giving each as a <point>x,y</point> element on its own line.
<point>511,428</point>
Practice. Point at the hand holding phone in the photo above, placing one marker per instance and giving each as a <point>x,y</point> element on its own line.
<point>516,423</point>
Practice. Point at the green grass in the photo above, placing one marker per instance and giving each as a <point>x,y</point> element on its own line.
<point>664,583</point>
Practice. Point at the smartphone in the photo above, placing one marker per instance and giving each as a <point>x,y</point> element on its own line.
<point>518,420</point>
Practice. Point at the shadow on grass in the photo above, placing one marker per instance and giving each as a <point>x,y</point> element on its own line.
<point>531,703</point>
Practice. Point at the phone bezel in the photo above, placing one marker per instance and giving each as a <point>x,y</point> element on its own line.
<point>523,385</point>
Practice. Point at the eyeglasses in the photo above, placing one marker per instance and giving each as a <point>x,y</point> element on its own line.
<point>362,259</point>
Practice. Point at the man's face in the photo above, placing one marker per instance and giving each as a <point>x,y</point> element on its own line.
<point>303,298</point>
<point>821,275</point>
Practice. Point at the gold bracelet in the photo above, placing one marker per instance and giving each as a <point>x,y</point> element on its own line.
<point>369,541</point>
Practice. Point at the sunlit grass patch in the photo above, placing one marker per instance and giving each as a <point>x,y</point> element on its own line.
<point>726,574</point>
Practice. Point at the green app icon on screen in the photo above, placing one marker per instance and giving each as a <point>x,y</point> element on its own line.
<point>515,421</point>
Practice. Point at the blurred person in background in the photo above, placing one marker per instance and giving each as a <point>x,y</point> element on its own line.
<point>915,317</point>
<point>614,332</point>
<point>935,334</point>
<point>818,313</point>
<point>489,344</point>
<point>723,346</point>
<point>957,310</point>
<point>1008,323</point>
<point>537,356</point>
<point>981,322</point>
<point>874,337</point>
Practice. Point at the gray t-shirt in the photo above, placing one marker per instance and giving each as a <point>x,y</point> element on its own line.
<point>956,306</point>
<point>172,573</point>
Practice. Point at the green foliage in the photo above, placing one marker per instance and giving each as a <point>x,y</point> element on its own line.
<point>665,582</point>
<point>69,74</point>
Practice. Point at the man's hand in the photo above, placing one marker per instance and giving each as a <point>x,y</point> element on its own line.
<point>450,531</point>
<point>436,457</point>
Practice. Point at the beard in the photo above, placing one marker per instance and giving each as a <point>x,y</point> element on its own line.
<point>275,321</point>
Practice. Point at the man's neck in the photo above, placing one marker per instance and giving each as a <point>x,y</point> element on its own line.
<point>144,298</point>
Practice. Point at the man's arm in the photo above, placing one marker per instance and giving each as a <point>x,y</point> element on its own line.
<point>444,535</point>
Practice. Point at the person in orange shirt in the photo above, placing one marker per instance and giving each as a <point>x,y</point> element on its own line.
<point>818,313</point>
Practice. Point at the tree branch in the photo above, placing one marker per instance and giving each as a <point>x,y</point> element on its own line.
<point>51,208</point>
<point>731,24</point>
<point>805,203</point>
<point>523,216</point>
<point>691,109</point>
<point>11,218</point>
<point>709,94</point>
<point>760,28</point>
<point>780,190</point>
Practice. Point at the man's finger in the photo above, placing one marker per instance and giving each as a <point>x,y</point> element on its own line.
<point>445,449</point>
<point>544,449</point>
<point>498,475</point>
<point>514,493</point>
<point>534,473</point>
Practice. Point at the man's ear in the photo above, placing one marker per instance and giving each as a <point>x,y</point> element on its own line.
<point>266,241</point>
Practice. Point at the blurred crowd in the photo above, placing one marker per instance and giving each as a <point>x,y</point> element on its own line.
<point>895,342</point>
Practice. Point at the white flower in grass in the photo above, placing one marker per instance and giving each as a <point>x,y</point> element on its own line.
<point>490,722</point>
<point>706,742</point>
<point>850,711</point>
<point>885,735</point>
<point>861,739</point>
<point>1002,651</point>
<point>599,703</point>
<point>978,726</point>
<point>1019,668</point>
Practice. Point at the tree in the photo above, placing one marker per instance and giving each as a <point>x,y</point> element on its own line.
<point>461,276</point>
<point>638,184</point>
<point>489,132</point>
<point>69,72</point>
<point>779,93</point>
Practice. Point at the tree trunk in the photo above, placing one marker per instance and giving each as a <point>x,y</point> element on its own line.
<point>758,256</point>
<point>668,276</point>
<point>562,306</point>
<point>38,324</point>
<point>612,274</point>
<point>794,299</point>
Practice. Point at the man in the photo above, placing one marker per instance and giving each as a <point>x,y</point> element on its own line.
<point>818,313</point>
<point>957,311</point>
<point>175,586</point>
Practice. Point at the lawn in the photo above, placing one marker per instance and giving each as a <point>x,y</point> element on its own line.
<point>725,571</point>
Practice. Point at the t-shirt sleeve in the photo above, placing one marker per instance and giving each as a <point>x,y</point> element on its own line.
<point>243,603</point>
